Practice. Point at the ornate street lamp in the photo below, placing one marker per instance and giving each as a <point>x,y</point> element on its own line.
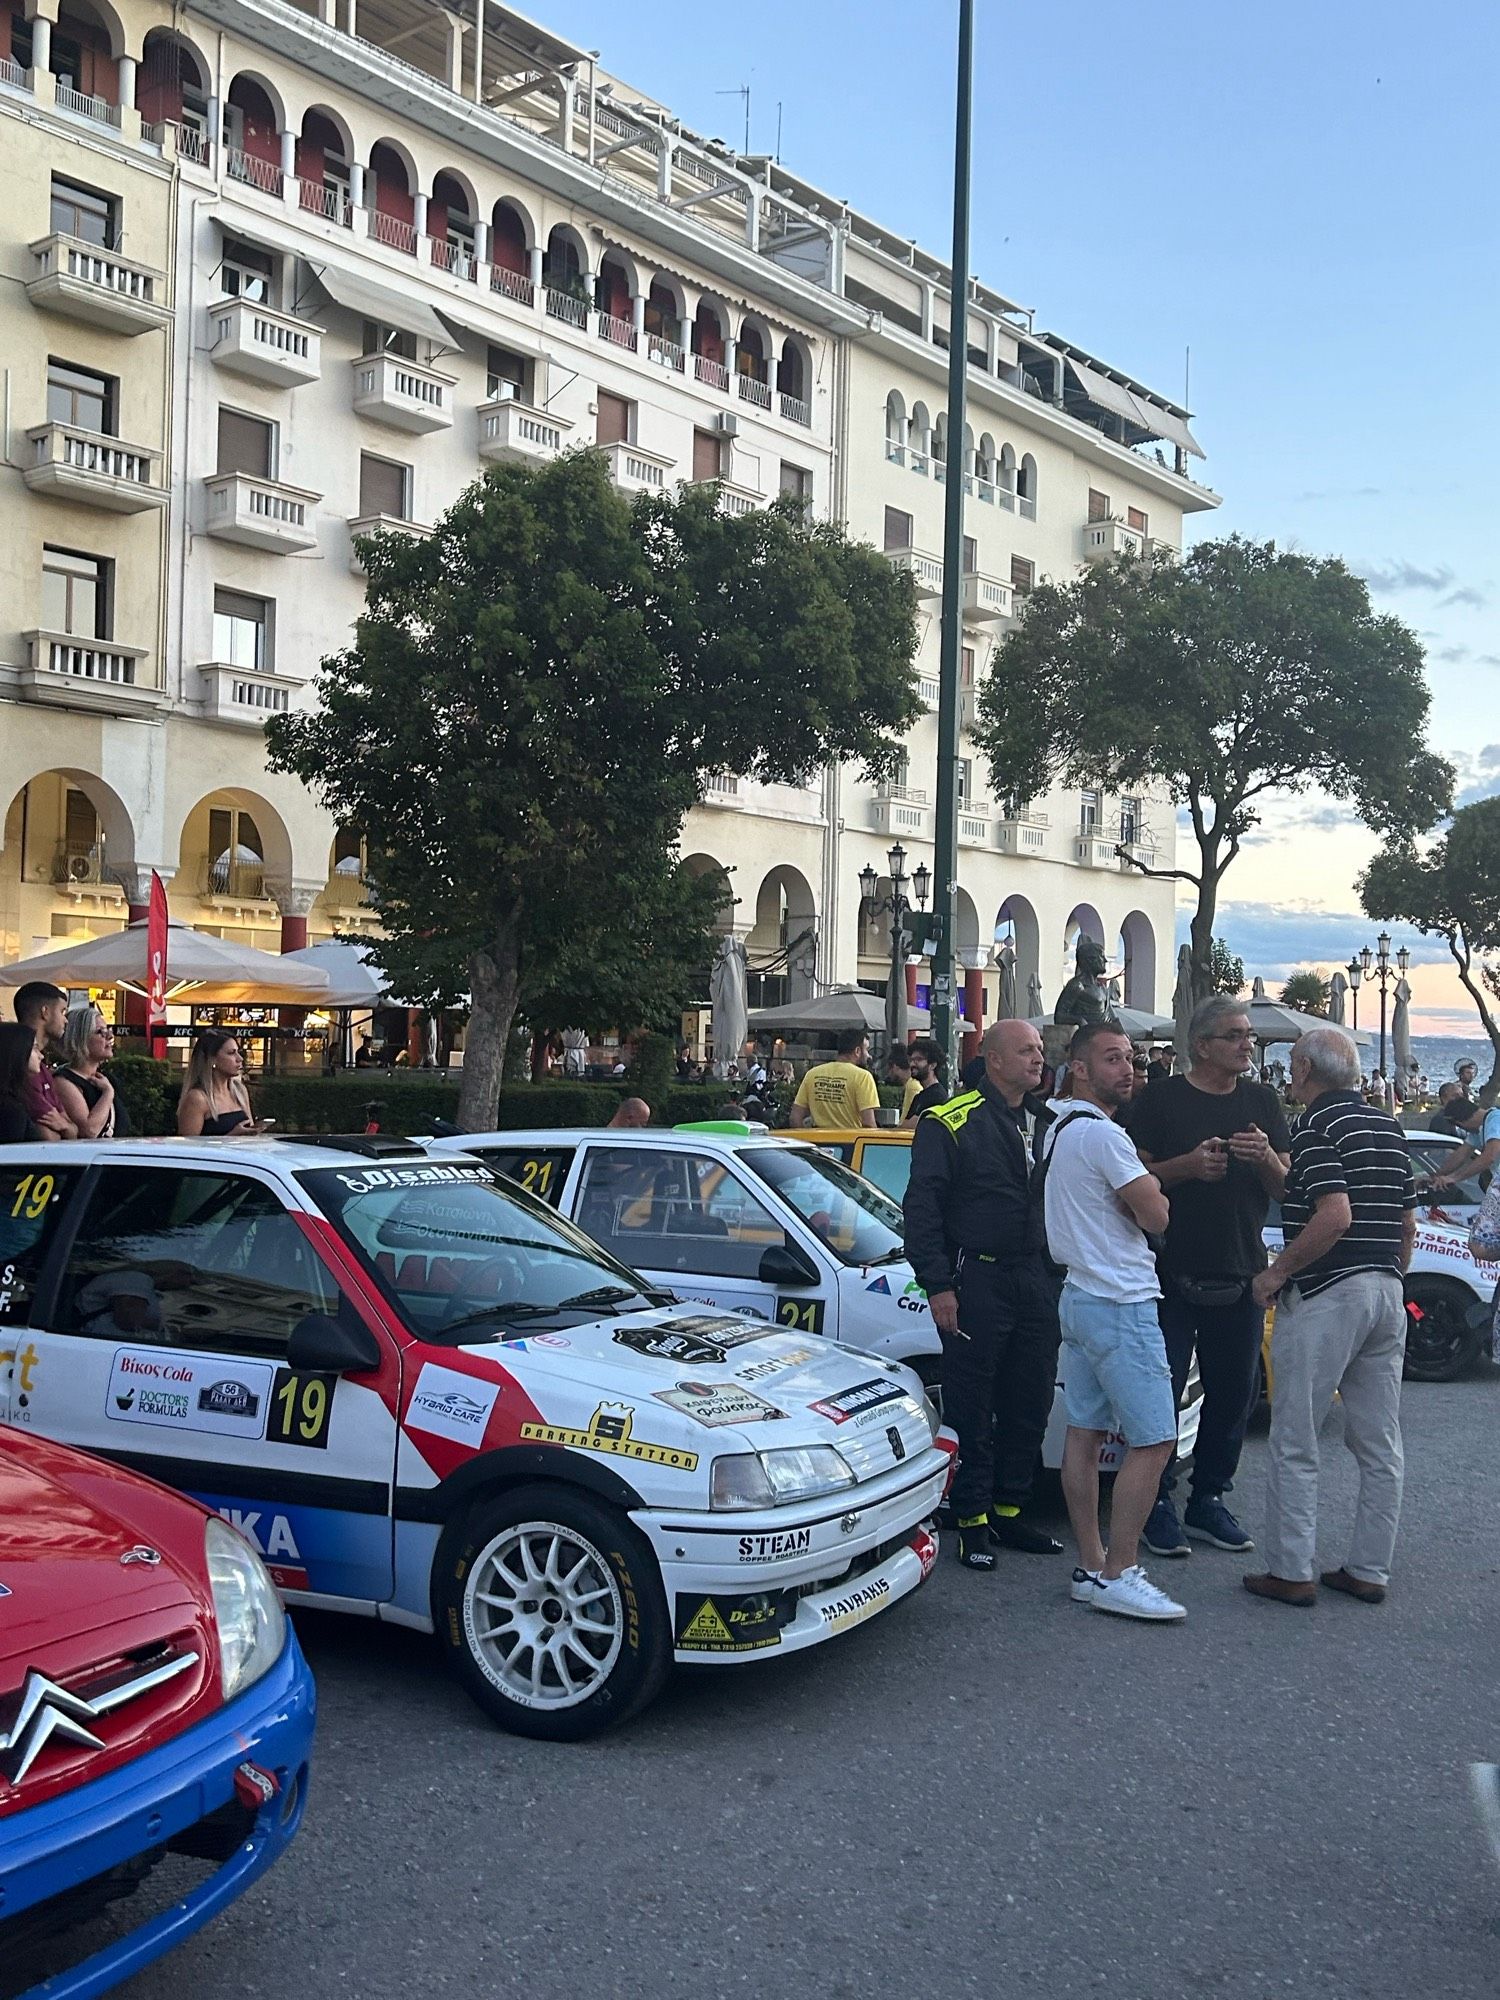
<point>896,904</point>
<point>1356,972</point>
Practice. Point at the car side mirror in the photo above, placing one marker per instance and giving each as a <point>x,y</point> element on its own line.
<point>322,1345</point>
<point>785,1264</point>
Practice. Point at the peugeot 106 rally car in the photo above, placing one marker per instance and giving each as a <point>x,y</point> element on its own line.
<point>426,1397</point>
<point>155,1713</point>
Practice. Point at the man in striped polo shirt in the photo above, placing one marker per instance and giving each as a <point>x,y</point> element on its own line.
<point>1349,1212</point>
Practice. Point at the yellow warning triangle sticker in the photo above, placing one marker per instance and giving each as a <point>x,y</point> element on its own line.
<point>706,1626</point>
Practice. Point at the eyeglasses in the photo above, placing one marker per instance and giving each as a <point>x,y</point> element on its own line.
<point>1238,1035</point>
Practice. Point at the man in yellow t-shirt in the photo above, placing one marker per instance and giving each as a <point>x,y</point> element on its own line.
<point>838,1096</point>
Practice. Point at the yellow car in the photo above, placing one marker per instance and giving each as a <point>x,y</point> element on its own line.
<point>880,1153</point>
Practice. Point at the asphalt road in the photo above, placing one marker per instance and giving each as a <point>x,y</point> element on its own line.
<point>988,1791</point>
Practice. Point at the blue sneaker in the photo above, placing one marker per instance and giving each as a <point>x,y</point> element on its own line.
<point>1163,1534</point>
<point>1207,1519</point>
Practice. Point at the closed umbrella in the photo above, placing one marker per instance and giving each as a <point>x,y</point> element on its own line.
<point>1007,982</point>
<point>1338,986</point>
<point>895,1006</point>
<point>726,989</point>
<point>1034,996</point>
<point>1401,1030</point>
<point>1182,1004</point>
<point>575,1051</point>
<point>202,971</point>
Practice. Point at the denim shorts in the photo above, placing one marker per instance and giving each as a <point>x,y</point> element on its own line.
<point>1114,1368</point>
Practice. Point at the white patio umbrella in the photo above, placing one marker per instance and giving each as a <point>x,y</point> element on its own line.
<point>726,990</point>
<point>1139,1025</point>
<point>827,1013</point>
<point>354,979</point>
<point>202,971</point>
<point>1272,1021</point>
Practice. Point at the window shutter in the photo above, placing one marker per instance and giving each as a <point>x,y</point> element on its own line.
<point>244,444</point>
<point>705,455</point>
<point>382,487</point>
<point>614,419</point>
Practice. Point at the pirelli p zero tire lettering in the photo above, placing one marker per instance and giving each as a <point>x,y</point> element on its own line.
<point>550,1609</point>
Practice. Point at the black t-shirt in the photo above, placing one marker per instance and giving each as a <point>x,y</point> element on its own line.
<point>1215,1226</point>
<point>15,1125</point>
<point>926,1097</point>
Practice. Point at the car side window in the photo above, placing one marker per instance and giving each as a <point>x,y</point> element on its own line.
<point>889,1167</point>
<point>541,1170</point>
<point>686,1212</point>
<point>179,1258</point>
<point>32,1200</point>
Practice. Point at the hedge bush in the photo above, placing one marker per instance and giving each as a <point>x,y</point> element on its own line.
<point>409,1103</point>
<point>148,1090</point>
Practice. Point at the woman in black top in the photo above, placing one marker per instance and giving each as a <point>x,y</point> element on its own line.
<point>86,1093</point>
<point>214,1101</point>
<point>19,1057</point>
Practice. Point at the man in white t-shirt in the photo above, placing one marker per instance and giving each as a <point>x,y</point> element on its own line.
<point>1099,1201</point>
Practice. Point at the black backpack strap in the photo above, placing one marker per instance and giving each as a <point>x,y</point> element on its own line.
<point>1037,1187</point>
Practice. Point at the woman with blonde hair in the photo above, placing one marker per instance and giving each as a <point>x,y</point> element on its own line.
<point>214,1100</point>
<point>86,1094</point>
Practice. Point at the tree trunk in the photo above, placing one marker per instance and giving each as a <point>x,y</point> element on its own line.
<point>494,987</point>
<point>1490,1025</point>
<point>1202,932</point>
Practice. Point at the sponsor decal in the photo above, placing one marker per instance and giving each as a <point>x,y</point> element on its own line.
<point>537,1340</point>
<point>713,1405</point>
<point>860,1401</point>
<point>449,1404</point>
<point>271,1536</point>
<point>611,1431</point>
<point>734,1624</point>
<point>301,1409</point>
<point>856,1605</point>
<point>723,1329</point>
<point>4,1590</point>
<point>187,1392</point>
<point>23,1364</point>
<point>882,1285</point>
<point>665,1343</point>
<point>924,1544</point>
<point>894,1440</point>
<point>777,1546</point>
<point>433,1175</point>
<point>775,1364</point>
<point>913,1299</point>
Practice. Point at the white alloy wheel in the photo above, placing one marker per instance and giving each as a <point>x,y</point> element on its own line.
<point>543,1615</point>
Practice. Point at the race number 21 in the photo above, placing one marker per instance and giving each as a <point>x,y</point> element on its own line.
<point>803,1315</point>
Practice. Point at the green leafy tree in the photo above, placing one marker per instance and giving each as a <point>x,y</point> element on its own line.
<point>1226,971</point>
<point>1450,890</point>
<point>1243,671</point>
<point>532,702</point>
<point>1306,991</point>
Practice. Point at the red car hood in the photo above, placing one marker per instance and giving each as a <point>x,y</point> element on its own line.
<point>75,1612</point>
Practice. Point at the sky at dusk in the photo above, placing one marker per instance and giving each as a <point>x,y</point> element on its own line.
<point>1301,197</point>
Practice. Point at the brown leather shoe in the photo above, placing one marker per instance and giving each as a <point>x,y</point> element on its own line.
<point>1354,1586</point>
<point>1282,1589</point>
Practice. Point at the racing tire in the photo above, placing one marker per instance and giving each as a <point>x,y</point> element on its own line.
<point>1442,1344</point>
<point>550,1610</point>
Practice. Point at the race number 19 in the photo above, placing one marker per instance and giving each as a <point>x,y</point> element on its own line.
<point>301,1406</point>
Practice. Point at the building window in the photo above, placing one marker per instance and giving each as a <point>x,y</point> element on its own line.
<point>1089,803</point>
<point>1131,822</point>
<point>246,444</point>
<point>1136,516</point>
<point>507,376</point>
<point>965,780</point>
<point>247,272</point>
<point>614,421</point>
<point>76,593</point>
<point>84,213</point>
<point>242,630</point>
<point>898,529</point>
<point>971,555</point>
<point>708,456</point>
<point>384,488</point>
<point>1098,505</point>
<point>236,854</point>
<point>966,667</point>
<point>78,397</point>
<point>1022,574</point>
<point>796,481</point>
<point>382,339</point>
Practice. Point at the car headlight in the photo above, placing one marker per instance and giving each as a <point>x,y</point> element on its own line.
<point>747,1480</point>
<point>251,1622</point>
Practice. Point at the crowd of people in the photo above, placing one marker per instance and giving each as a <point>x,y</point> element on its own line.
<point>54,1084</point>
<point>1108,1224</point>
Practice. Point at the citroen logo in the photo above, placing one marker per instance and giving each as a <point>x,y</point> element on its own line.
<point>141,1554</point>
<point>47,1710</point>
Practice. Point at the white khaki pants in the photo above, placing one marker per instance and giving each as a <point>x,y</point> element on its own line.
<point>1351,1339</point>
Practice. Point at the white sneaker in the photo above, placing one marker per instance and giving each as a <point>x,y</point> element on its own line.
<point>1083,1585</point>
<point>1132,1594</point>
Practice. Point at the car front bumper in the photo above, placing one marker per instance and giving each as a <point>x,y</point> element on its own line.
<point>157,1800</point>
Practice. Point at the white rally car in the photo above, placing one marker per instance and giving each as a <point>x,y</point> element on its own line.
<point>427,1398</point>
<point>753,1222</point>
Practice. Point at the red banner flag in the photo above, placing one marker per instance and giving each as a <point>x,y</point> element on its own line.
<point>156,967</point>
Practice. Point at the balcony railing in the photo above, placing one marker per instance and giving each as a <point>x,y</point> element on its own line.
<point>331,202</point>
<point>665,353</point>
<point>75,464</point>
<point>455,258</point>
<point>404,394</point>
<point>926,571</point>
<point>618,332</point>
<point>90,283</point>
<point>1021,831</point>
<point>191,141</point>
<point>1104,540</point>
<point>795,410</point>
<point>69,99</point>
<point>721,788</point>
<point>985,597</point>
<point>75,867</point>
<point>236,881</point>
<point>393,232</point>
<point>252,339</point>
<point>563,306</point>
<point>261,513</point>
<point>713,374</point>
<point>1026,506</point>
<point>930,689</point>
<point>895,451</point>
<point>240,694</point>
<point>347,892</point>
<point>86,659</point>
<point>12,73</point>
<point>911,795</point>
<point>254,171</point>
<point>753,390</point>
<point>510,429</point>
<point>512,285</point>
<point>635,470</point>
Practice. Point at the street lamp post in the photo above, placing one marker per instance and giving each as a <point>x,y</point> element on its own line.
<point>896,903</point>
<point>1379,964</point>
<point>1356,972</point>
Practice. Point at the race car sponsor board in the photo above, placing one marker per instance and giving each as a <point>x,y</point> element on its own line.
<point>733,1624</point>
<point>188,1392</point>
<point>611,1431</point>
<point>450,1404</point>
<point>860,1402</point>
<point>716,1404</point>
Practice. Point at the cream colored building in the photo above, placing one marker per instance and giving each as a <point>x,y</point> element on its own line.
<point>278,275</point>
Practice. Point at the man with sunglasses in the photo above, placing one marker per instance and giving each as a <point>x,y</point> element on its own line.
<point>1219,1144</point>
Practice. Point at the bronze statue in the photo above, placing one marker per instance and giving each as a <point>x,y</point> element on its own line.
<point>1086,997</point>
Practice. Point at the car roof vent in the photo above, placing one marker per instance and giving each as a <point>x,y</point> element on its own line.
<point>371,1145</point>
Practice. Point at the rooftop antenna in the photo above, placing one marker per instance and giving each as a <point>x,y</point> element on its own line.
<point>740,90</point>
<point>1187,376</point>
<point>778,131</point>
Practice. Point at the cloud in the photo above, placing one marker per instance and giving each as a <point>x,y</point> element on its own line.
<point>1340,493</point>
<point>1275,940</point>
<point>1459,656</point>
<point>1468,594</point>
<point>1386,579</point>
<point>1478,774</point>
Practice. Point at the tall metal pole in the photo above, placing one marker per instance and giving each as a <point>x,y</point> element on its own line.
<point>945,842</point>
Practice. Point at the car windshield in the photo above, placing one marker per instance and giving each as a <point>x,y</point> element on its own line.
<point>462,1259</point>
<point>857,1222</point>
<point>1425,1161</point>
